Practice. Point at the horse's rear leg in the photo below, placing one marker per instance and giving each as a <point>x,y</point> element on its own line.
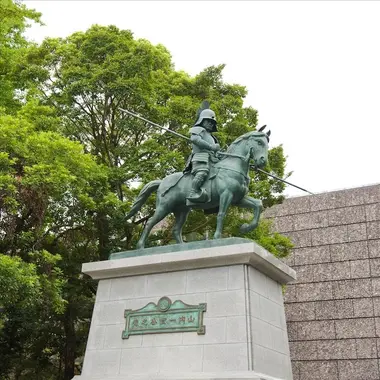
<point>180,219</point>
<point>160,214</point>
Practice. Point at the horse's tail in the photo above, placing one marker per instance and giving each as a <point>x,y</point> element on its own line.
<point>143,196</point>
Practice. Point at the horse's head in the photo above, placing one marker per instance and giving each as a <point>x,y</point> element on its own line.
<point>253,145</point>
<point>259,149</point>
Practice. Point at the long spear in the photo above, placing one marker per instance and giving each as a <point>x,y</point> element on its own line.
<point>280,179</point>
<point>154,124</point>
<point>222,153</point>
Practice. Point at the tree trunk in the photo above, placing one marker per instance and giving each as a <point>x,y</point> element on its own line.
<point>103,236</point>
<point>70,344</point>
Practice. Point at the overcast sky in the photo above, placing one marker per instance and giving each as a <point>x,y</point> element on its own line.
<point>312,69</point>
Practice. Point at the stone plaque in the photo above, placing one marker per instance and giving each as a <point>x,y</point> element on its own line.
<point>165,317</point>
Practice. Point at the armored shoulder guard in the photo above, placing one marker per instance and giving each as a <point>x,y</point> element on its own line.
<point>196,130</point>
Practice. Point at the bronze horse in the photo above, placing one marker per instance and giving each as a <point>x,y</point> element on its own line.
<point>229,186</point>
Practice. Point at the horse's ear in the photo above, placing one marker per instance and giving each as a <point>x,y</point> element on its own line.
<point>262,128</point>
<point>268,133</point>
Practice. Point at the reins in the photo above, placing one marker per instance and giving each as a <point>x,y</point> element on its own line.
<point>245,159</point>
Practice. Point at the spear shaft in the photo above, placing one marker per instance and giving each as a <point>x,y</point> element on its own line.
<point>154,124</point>
<point>171,131</point>
<point>222,153</point>
<point>280,179</point>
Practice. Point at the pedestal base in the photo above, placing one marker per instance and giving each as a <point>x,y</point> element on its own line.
<point>245,335</point>
<point>247,375</point>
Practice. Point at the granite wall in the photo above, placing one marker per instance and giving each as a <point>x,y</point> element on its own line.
<point>333,309</point>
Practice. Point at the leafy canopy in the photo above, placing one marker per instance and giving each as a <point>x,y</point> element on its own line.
<point>14,18</point>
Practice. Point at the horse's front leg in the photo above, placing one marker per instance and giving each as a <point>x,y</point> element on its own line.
<point>224,203</point>
<point>180,219</point>
<point>257,206</point>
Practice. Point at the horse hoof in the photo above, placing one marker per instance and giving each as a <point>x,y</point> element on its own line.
<point>245,228</point>
<point>140,246</point>
<point>217,236</point>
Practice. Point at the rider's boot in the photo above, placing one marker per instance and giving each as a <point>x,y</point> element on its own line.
<point>197,194</point>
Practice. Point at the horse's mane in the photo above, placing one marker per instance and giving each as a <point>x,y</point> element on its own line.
<point>246,136</point>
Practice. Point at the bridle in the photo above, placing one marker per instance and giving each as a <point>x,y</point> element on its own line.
<point>244,158</point>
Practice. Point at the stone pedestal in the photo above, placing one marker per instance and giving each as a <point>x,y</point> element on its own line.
<point>245,336</point>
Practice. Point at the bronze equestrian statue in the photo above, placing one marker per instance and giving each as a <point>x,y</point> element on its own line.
<point>212,180</point>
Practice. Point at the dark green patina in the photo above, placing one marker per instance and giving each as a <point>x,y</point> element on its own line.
<point>165,317</point>
<point>179,247</point>
<point>212,180</point>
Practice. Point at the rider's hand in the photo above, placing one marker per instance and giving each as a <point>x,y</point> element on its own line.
<point>216,148</point>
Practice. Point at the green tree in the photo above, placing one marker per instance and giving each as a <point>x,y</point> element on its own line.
<point>49,191</point>
<point>30,296</point>
<point>14,18</point>
<point>48,204</point>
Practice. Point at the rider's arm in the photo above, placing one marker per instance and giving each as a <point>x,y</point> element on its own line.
<point>197,140</point>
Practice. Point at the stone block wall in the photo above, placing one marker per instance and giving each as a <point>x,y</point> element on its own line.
<point>333,309</point>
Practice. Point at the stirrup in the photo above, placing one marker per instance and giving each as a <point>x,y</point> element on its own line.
<point>198,197</point>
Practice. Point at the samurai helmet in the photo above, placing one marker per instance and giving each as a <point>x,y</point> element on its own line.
<point>204,112</point>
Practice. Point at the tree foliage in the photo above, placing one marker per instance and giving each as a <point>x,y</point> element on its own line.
<point>49,190</point>
<point>14,18</point>
<point>71,162</point>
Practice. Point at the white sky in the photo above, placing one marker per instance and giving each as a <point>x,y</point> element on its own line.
<point>312,69</point>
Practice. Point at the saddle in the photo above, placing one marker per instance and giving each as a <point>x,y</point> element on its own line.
<point>206,188</point>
